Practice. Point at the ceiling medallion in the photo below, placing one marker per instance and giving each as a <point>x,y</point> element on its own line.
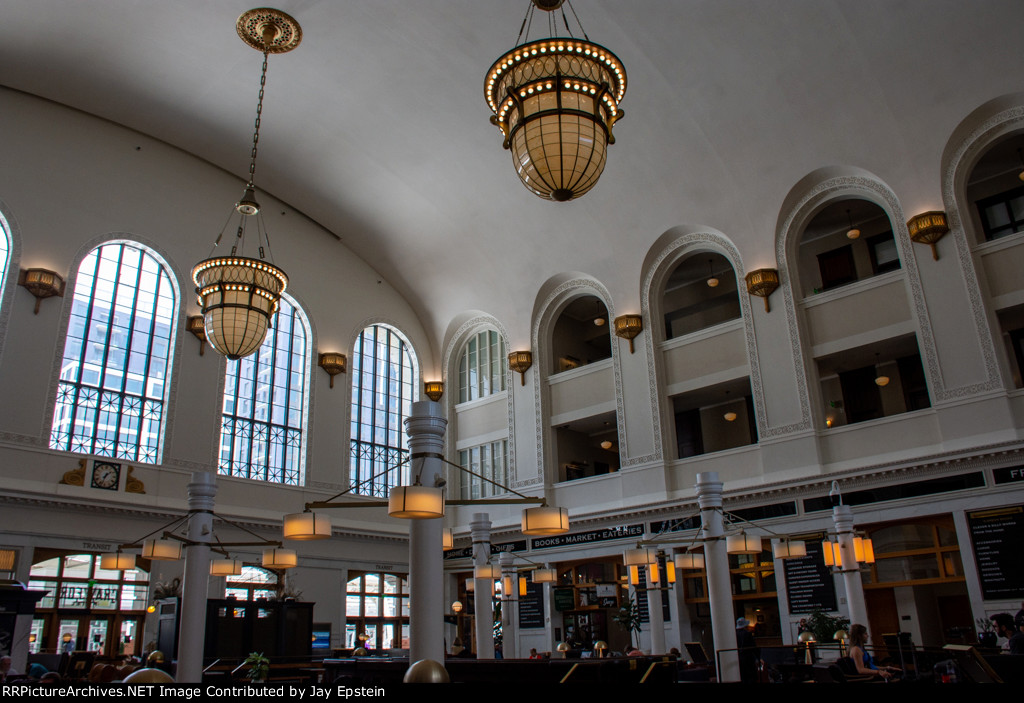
<point>555,101</point>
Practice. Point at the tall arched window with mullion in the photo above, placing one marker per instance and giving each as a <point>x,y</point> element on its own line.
<point>112,389</point>
<point>482,366</point>
<point>265,404</point>
<point>383,381</point>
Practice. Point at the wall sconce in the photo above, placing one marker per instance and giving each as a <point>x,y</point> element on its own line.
<point>434,390</point>
<point>41,283</point>
<point>520,362</point>
<point>763,283</point>
<point>333,363</point>
<point>928,228</point>
<point>197,326</point>
<point>628,327</point>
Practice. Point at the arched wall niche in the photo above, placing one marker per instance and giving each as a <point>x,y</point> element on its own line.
<point>677,245</point>
<point>554,296</point>
<point>809,197</point>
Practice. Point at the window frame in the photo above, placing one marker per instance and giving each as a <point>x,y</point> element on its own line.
<point>478,358</point>
<point>1013,226</point>
<point>75,396</point>
<point>368,456</point>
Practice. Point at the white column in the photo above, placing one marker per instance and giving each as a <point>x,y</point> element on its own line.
<point>716,561</point>
<point>192,636</point>
<point>509,611</point>
<point>843,518</point>
<point>425,428</point>
<point>480,529</point>
<point>655,612</point>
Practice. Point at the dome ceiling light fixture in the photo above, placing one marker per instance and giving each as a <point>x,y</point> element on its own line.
<point>712,279</point>
<point>853,232</point>
<point>239,295</point>
<point>555,101</point>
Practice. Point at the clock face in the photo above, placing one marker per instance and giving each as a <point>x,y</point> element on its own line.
<point>105,475</point>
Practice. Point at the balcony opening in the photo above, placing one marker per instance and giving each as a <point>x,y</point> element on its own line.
<point>714,418</point>
<point>1011,328</point>
<point>588,447</point>
<point>846,242</point>
<point>582,334</point>
<point>699,293</point>
<point>996,190</point>
<point>872,382</point>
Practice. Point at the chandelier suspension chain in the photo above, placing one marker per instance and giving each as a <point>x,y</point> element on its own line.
<point>259,113</point>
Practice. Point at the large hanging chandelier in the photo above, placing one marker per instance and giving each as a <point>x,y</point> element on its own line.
<point>239,295</point>
<point>555,101</point>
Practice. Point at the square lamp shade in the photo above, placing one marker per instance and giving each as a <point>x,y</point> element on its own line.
<point>641,556</point>
<point>161,549</point>
<point>416,502</point>
<point>307,526</point>
<point>225,567</point>
<point>689,560</point>
<point>447,538</point>
<point>487,571</point>
<point>545,521</point>
<point>117,561</point>
<point>545,576</point>
<point>276,558</point>
<point>743,544</point>
<point>789,549</point>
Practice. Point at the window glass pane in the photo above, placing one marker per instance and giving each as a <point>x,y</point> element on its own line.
<point>908,568</point>
<point>79,566</point>
<point>371,606</point>
<point>390,583</point>
<point>46,568</point>
<point>352,604</point>
<point>110,398</point>
<point>265,405</point>
<point>372,583</point>
<point>383,380</point>
<point>5,250</point>
<point>355,585</point>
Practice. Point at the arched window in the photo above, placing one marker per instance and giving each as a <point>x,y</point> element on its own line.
<point>5,250</point>
<point>383,379</point>
<point>254,582</point>
<point>113,377</point>
<point>265,405</point>
<point>482,366</point>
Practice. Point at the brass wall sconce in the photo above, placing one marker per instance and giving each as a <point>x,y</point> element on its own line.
<point>333,363</point>
<point>520,362</point>
<point>434,390</point>
<point>763,283</point>
<point>41,283</point>
<point>628,327</point>
<point>928,228</point>
<point>197,326</point>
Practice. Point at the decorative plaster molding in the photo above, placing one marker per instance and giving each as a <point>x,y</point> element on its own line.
<point>10,279</point>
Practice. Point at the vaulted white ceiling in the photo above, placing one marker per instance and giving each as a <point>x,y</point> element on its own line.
<point>376,126</point>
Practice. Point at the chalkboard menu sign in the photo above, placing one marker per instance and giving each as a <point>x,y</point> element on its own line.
<point>997,536</point>
<point>809,584</point>
<point>531,607</point>
<point>565,598</point>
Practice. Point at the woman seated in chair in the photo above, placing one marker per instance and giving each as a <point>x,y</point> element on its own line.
<point>864,662</point>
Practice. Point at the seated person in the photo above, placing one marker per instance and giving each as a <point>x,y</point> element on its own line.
<point>864,662</point>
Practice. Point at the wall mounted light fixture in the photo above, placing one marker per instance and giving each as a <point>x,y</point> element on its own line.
<point>762,283</point>
<point>628,327</point>
<point>42,284</point>
<point>333,363</point>
<point>928,228</point>
<point>520,362</point>
<point>434,390</point>
<point>197,327</point>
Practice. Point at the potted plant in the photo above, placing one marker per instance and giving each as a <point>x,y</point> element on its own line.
<point>259,667</point>
<point>629,618</point>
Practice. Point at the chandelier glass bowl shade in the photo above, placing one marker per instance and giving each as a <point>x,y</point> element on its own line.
<point>239,296</point>
<point>555,101</point>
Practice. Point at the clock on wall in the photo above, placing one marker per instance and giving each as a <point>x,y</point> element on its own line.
<point>106,475</point>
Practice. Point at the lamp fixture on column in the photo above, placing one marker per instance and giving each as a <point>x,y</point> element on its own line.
<point>225,567</point>
<point>333,363</point>
<point>41,284</point>
<point>928,228</point>
<point>447,538</point>
<point>555,101</point>
<point>277,558</point>
<point>433,390</point>
<point>544,575</point>
<point>239,295</point>
<point>689,560</point>
<point>307,525</point>
<point>743,544</point>
<point>628,327</point>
